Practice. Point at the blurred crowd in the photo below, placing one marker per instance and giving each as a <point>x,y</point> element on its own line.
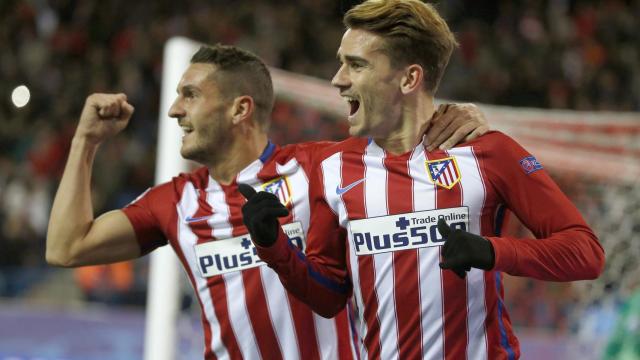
<point>552,54</point>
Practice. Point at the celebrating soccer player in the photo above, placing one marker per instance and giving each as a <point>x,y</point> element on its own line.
<point>223,106</point>
<point>414,235</point>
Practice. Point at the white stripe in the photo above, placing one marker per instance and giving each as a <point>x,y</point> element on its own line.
<point>240,323</point>
<point>474,197</point>
<point>236,301</point>
<point>278,306</point>
<point>299,191</point>
<point>332,177</point>
<point>219,221</point>
<point>432,323</point>
<point>376,205</point>
<point>280,314</point>
<point>278,302</point>
<point>188,206</point>
<point>249,175</point>
<point>327,337</point>
<point>444,177</point>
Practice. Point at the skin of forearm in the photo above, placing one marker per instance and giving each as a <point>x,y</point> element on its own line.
<point>72,213</point>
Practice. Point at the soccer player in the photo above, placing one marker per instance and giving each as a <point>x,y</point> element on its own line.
<point>223,106</point>
<point>414,235</point>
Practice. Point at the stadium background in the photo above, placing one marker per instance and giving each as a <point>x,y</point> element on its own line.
<point>579,55</point>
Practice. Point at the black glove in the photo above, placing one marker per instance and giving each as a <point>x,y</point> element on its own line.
<point>260,214</point>
<point>463,250</point>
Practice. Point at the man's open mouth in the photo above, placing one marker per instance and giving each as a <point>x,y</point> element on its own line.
<point>354,104</point>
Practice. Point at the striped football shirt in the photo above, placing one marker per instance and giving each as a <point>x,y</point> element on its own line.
<point>246,312</point>
<point>373,236</point>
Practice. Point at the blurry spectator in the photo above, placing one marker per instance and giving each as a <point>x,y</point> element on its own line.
<point>24,210</point>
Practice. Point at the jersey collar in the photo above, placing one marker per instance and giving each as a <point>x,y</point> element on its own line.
<point>267,152</point>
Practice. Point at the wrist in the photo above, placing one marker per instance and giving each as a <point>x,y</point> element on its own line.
<point>278,251</point>
<point>491,255</point>
<point>504,254</point>
<point>83,142</point>
<point>83,149</point>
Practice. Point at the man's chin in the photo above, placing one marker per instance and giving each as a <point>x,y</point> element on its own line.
<point>187,154</point>
<point>357,131</point>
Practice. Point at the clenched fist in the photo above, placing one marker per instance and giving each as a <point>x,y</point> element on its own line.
<point>103,116</point>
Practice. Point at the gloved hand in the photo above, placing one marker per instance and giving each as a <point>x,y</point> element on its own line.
<point>260,215</point>
<point>463,250</point>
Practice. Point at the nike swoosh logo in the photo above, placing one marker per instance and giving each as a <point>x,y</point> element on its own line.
<point>343,190</point>
<point>190,219</point>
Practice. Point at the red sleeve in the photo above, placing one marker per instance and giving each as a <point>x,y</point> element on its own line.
<point>566,249</point>
<point>146,225</point>
<point>319,278</point>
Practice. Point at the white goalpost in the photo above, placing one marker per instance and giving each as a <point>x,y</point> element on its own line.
<point>603,147</point>
<point>163,292</point>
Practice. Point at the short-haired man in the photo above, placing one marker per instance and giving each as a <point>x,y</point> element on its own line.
<point>398,227</point>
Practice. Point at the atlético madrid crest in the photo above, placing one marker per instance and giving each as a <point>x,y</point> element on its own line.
<point>280,188</point>
<point>443,172</point>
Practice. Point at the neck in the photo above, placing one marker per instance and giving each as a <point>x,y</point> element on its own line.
<point>242,152</point>
<point>415,118</point>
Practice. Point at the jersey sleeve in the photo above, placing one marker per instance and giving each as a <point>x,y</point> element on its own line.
<point>146,224</point>
<point>565,248</point>
<point>319,278</point>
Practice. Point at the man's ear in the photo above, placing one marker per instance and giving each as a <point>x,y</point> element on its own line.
<point>243,108</point>
<point>412,79</point>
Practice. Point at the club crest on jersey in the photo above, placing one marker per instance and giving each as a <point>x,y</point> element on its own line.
<point>280,188</point>
<point>443,172</point>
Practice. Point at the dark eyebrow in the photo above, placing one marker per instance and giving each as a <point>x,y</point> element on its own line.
<point>353,59</point>
<point>186,88</point>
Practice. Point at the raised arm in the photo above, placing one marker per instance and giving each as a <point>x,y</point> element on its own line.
<point>74,237</point>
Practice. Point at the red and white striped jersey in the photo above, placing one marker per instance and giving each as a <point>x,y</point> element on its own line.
<point>246,312</point>
<point>373,234</point>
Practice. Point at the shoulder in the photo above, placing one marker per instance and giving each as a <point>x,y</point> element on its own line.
<point>350,145</point>
<point>304,148</point>
<point>496,145</point>
<point>172,189</point>
<point>491,140</point>
<point>304,153</point>
<point>318,150</point>
<point>199,178</point>
<point>501,154</point>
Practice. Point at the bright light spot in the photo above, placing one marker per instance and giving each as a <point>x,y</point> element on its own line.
<point>20,96</point>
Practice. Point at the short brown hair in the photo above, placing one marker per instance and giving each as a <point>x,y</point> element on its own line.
<point>414,33</point>
<point>240,72</point>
